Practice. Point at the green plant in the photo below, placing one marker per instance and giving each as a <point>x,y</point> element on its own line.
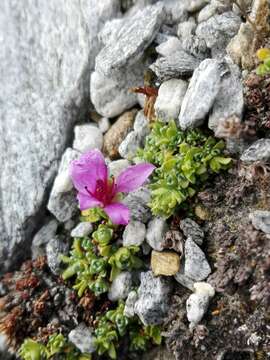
<point>264,56</point>
<point>141,337</point>
<point>124,259</point>
<point>57,344</point>
<point>184,161</point>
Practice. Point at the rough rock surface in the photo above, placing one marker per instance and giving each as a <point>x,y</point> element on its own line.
<point>155,233</point>
<point>117,166</point>
<point>132,39</point>
<point>259,150</point>
<point>170,97</point>
<point>201,94</point>
<point>137,201</point>
<point>120,286</point>
<point>191,229</point>
<point>260,219</point>
<point>82,338</point>
<point>82,229</point>
<point>42,237</point>
<point>54,249</point>
<point>153,299</point>
<point>134,233</point>
<point>196,265</point>
<point>87,137</point>
<point>230,99</point>
<point>175,65</point>
<point>45,68</point>
<point>129,146</point>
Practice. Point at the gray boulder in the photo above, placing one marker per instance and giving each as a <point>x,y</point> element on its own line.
<point>130,145</point>
<point>82,229</point>
<point>141,125</point>
<point>132,39</point>
<point>87,137</point>
<point>152,305</point>
<point>191,229</point>
<point>120,286</point>
<point>134,233</point>
<point>155,233</point>
<point>259,150</point>
<point>196,265</point>
<point>82,337</point>
<point>137,202</point>
<point>201,94</point>
<point>45,69</point>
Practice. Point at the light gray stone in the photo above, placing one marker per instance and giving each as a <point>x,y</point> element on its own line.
<point>134,233</point>
<point>87,137</point>
<point>120,287</point>
<point>259,150</point>
<point>218,31</point>
<point>196,265</point>
<point>130,304</point>
<point>62,201</point>
<point>141,99</point>
<point>230,98</point>
<point>117,166</point>
<point>54,249</point>
<point>260,219</point>
<point>169,46</point>
<point>191,229</point>
<point>82,229</point>
<point>110,30</point>
<point>170,97</point>
<point>47,53</point>
<point>197,304</point>
<point>201,94</point>
<point>42,237</point>
<point>186,28</point>
<point>184,280</point>
<point>82,337</point>
<point>104,124</point>
<point>153,299</point>
<point>175,65</point>
<point>196,5</point>
<point>215,7</point>
<point>176,11</point>
<point>156,230</point>
<point>137,202</point>
<point>111,96</point>
<point>141,125</point>
<point>132,39</point>
<point>128,148</point>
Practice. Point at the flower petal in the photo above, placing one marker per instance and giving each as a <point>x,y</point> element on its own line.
<point>89,168</point>
<point>133,177</point>
<point>87,201</point>
<point>118,213</point>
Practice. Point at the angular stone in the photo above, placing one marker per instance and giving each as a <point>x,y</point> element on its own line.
<point>104,125</point>
<point>259,150</point>
<point>184,280</point>
<point>87,137</point>
<point>176,11</point>
<point>260,219</point>
<point>196,5</point>
<point>196,265</point>
<point>134,233</point>
<point>111,96</point>
<point>170,97</point>
<point>169,46</point>
<point>165,263</point>
<point>191,229</point>
<point>42,237</point>
<point>117,133</point>
<point>201,94</point>
<point>109,32</point>
<point>152,305</point>
<point>186,28</point>
<point>197,304</point>
<point>141,125</point>
<point>62,201</point>
<point>218,30</point>
<point>82,337</point>
<point>137,202</point>
<point>130,304</point>
<point>54,249</point>
<point>130,145</point>
<point>230,99</point>
<point>155,233</point>
<point>215,7</point>
<point>117,166</point>
<point>132,39</point>
<point>82,229</point>
<point>120,286</point>
<point>45,71</point>
<point>178,64</point>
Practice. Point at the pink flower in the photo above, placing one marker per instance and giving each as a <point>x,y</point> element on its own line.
<point>95,189</point>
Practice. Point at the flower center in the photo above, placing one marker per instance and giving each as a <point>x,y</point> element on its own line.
<point>104,191</point>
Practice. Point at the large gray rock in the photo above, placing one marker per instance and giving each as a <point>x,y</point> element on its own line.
<point>230,99</point>
<point>201,94</point>
<point>218,30</point>
<point>134,233</point>
<point>153,299</point>
<point>175,65</point>
<point>170,97</point>
<point>62,201</point>
<point>259,150</point>
<point>132,39</point>
<point>170,45</point>
<point>47,52</point>
<point>196,265</point>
